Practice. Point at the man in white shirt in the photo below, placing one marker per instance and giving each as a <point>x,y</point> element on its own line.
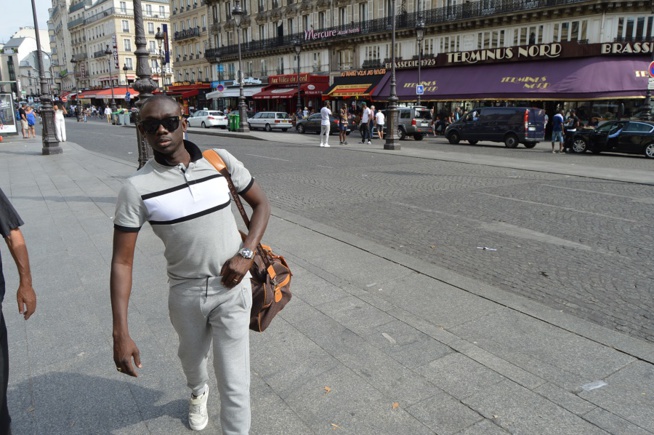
<point>380,120</point>
<point>325,124</point>
<point>107,113</point>
<point>366,116</point>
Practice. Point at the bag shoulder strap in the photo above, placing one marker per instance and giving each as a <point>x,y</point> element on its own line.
<point>214,158</point>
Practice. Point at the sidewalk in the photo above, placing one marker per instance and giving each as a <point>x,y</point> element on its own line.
<point>373,342</point>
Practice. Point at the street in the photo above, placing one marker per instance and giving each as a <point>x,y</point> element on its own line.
<point>577,244</point>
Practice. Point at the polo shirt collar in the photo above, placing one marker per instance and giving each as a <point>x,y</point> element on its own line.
<point>193,150</point>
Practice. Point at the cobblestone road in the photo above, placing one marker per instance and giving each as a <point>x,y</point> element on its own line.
<point>580,245</point>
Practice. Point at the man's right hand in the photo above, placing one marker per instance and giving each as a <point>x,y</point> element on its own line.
<point>124,351</point>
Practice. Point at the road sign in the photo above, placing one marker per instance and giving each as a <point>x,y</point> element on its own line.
<point>650,84</point>
<point>651,69</point>
<point>128,96</point>
<point>220,88</point>
<point>420,89</point>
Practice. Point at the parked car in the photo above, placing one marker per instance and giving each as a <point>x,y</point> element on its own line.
<point>312,125</point>
<point>270,120</point>
<point>626,136</point>
<point>207,119</point>
<point>511,125</point>
<point>412,121</point>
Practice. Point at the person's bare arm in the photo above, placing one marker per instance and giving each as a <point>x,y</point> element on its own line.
<point>234,269</point>
<point>121,287</point>
<point>25,296</point>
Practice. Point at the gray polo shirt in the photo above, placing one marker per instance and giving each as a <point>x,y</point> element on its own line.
<point>188,209</point>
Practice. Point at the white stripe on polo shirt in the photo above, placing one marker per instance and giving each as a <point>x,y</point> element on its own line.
<point>186,202</point>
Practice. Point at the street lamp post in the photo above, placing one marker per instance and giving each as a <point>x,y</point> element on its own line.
<point>648,94</point>
<point>144,85</point>
<point>420,34</point>
<point>79,103</point>
<point>237,12</point>
<point>392,140</point>
<point>50,142</point>
<point>110,53</point>
<point>298,50</point>
<point>125,69</point>
<point>159,36</point>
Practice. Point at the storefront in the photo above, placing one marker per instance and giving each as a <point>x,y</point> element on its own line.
<point>355,85</point>
<point>229,96</point>
<point>282,92</point>
<point>192,96</point>
<point>611,76</point>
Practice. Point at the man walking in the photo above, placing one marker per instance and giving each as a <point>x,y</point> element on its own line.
<point>23,120</point>
<point>342,124</point>
<point>365,121</point>
<point>107,113</point>
<point>10,222</point>
<point>325,124</point>
<point>557,131</point>
<point>187,203</point>
<point>380,120</point>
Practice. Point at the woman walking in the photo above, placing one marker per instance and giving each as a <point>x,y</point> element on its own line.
<point>60,122</point>
<point>31,121</point>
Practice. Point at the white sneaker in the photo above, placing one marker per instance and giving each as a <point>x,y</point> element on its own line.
<point>326,146</point>
<point>322,144</point>
<point>197,411</point>
<point>369,143</point>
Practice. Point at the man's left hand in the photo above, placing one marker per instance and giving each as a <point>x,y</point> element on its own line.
<point>234,270</point>
<point>26,298</point>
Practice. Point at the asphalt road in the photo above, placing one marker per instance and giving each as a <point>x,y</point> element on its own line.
<point>581,245</point>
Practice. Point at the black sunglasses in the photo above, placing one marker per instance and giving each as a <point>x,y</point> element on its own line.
<point>150,126</point>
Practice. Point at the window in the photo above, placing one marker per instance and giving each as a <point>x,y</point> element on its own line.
<point>204,21</point>
<point>228,10</point>
<point>123,7</point>
<point>342,16</point>
<point>280,66</point>
<point>125,26</point>
<point>162,11</point>
<point>321,20</point>
<point>151,28</point>
<point>363,12</point>
<point>492,39</point>
<point>262,5</point>
<point>264,69</point>
<point>290,26</point>
<point>262,32</point>
<point>306,23</point>
<point>148,10</point>
<point>127,44</point>
<point>153,46</point>
<point>128,62</point>
<point>571,31</point>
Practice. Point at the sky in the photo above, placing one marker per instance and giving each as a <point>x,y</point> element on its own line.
<point>19,14</point>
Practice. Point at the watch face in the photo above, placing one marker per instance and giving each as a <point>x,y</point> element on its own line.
<point>246,253</point>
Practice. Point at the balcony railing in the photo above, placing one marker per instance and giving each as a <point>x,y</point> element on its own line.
<point>99,53</point>
<point>74,23</point>
<point>187,33</point>
<point>403,21</point>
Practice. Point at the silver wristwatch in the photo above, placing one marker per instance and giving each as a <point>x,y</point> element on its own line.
<point>246,253</point>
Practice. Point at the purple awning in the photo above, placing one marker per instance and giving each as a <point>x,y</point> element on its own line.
<point>569,79</point>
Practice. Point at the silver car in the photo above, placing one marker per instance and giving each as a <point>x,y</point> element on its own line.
<point>270,120</point>
<point>207,119</point>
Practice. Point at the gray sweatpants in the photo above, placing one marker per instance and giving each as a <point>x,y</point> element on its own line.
<point>203,311</point>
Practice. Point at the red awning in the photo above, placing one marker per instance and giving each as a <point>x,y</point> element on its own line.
<point>274,92</point>
<point>119,93</point>
<point>183,94</point>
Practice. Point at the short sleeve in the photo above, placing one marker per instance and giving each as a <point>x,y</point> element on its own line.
<point>130,211</point>
<point>9,218</point>
<point>240,175</point>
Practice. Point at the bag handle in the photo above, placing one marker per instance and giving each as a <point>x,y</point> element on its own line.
<point>212,156</point>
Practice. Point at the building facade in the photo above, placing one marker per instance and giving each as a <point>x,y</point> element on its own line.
<point>350,40</point>
<point>95,44</point>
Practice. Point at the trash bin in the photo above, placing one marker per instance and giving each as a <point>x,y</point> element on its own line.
<point>125,116</point>
<point>233,121</point>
